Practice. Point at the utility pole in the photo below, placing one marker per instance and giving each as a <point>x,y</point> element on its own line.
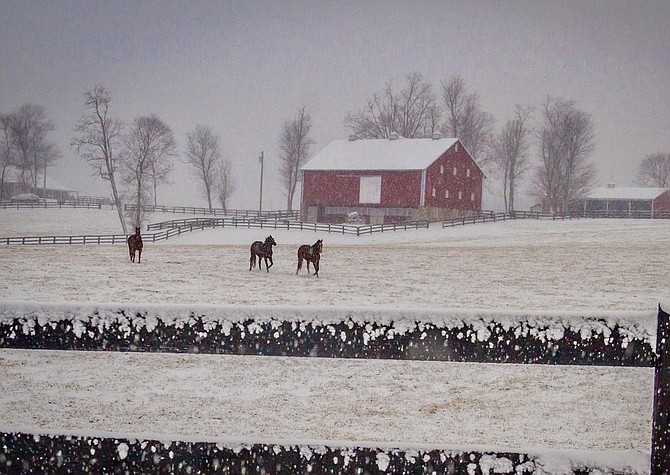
<point>260,201</point>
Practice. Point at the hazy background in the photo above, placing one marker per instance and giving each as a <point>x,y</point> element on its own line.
<point>244,67</point>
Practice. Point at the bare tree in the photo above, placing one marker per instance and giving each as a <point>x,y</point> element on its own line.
<point>96,137</point>
<point>511,152</point>
<point>654,170</point>
<point>465,118</point>
<point>224,183</point>
<point>35,153</point>
<point>148,148</point>
<point>203,152</point>
<point>412,113</point>
<point>7,148</point>
<point>294,152</point>
<point>158,173</point>
<point>566,139</point>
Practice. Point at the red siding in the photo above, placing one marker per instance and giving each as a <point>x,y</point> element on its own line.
<point>455,184</point>
<point>662,202</point>
<point>341,188</point>
<point>402,188</point>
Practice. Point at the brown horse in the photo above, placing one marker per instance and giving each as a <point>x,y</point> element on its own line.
<point>135,244</point>
<point>264,251</point>
<point>310,254</point>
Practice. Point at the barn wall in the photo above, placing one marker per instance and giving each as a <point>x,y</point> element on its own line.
<point>341,188</point>
<point>662,202</point>
<point>440,177</point>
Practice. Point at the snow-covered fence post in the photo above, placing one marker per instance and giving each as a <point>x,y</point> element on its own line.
<point>660,436</point>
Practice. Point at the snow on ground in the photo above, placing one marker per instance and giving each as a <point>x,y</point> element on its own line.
<point>528,265</point>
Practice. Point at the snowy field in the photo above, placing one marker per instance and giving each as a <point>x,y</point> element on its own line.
<point>596,265</point>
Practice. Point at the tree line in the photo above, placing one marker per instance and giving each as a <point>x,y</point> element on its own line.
<point>134,158</point>
<point>551,144</point>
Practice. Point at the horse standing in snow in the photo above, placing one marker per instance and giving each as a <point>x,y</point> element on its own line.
<point>135,244</point>
<point>264,251</point>
<point>310,254</point>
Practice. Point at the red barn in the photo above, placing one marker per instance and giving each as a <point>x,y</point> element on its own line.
<point>391,180</point>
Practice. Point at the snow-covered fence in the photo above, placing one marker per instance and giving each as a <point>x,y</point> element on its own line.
<point>603,338</point>
<point>51,453</point>
<point>93,238</point>
<point>238,213</point>
<point>493,217</point>
<point>177,227</point>
<point>357,230</point>
<point>47,204</point>
<point>613,339</point>
<point>660,437</point>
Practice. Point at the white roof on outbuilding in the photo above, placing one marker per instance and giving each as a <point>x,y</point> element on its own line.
<point>12,175</point>
<point>625,193</point>
<point>379,154</point>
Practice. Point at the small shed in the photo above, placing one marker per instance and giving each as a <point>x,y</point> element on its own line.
<point>613,200</point>
<point>391,180</point>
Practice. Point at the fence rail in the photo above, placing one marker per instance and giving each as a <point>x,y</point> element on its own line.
<point>626,214</point>
<point>202,223</point>
<point>48,205</point>
<point>492,217</point>
<point>288,220</point>
<point>246,213</point>
<point>379,335</point>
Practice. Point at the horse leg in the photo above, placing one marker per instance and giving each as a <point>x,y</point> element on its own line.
<point>252,261</point>
<point>139,256</point>
<point>299,265</point>
<point>316,268</point>
<point>266,263</point>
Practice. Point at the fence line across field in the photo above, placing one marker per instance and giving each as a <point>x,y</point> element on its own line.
<point>50,205</point>
<point>288,220</point>
<point>203,223</point>
<point>245,213</point>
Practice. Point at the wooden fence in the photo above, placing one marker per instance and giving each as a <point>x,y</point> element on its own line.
<point>493,217</point>
<point>357,230</point>
<point>48,205</point>
<point>243,213</point>
<point>371,335</point>
<point>173,228</point>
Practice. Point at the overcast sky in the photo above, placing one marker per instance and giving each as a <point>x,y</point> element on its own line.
<point>245,67</point>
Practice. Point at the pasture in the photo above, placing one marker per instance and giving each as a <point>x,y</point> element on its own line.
<point>594,265</point>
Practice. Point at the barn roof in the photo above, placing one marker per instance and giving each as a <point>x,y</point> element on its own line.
<point>12,176</point>
<point>380,154</point>
<point>625,193</point>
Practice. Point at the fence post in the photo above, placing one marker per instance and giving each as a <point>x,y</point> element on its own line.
<point>660,435</point>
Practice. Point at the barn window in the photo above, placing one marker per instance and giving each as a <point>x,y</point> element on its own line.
<point>455,171</point>
<point>467,173</point>
<point>433,192</point>
<point>460,195</point>
<point>370,190</point>
<point>442,169</point>
<point>472,197</point>
<point>456,147</point>
<point>446,193</point>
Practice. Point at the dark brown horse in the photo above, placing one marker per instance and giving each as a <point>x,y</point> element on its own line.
<point>135,244</point>
<point>310,254</point>
<point>264,251</point>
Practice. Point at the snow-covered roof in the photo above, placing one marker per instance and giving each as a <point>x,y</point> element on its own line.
<point>625,193</point>
<point>379,154</point>
<point>12,174</point>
